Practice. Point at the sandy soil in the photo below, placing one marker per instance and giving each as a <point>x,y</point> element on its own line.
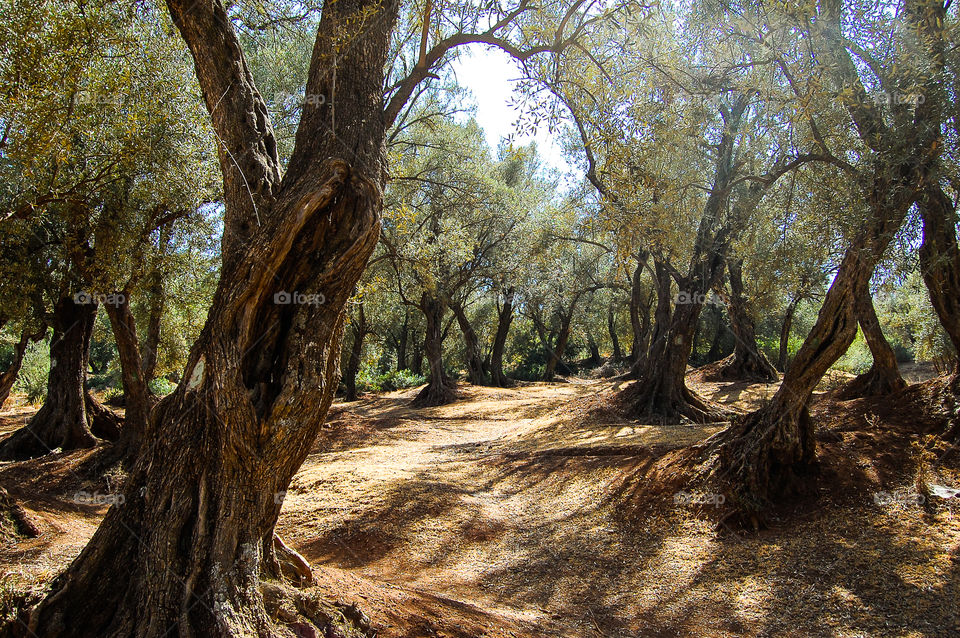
<point>508,514</point>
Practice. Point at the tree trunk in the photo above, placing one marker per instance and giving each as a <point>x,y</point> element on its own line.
<point>62,421</point>
<point>475,372</point>
<point>746,362</point>
<point>358,330</point>
<point>417,365</point>
<point>785,334</point>
<point>639,347</point>
<point>612,331</point>
<point>156,303</point>
<point>940,259</point>
<point>556,353</point>
<point>9,376</point>
<point>594,360</point>
<point>138,398</point>
<point>661,318</point>
<point>715,353</point>
<point>504,319</point>
<point>402,342</point>
<point>883,377</point>
<point>186,547</point>
<point>440,389</point>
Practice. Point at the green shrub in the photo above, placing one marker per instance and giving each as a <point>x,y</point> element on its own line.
<point>368,381</point>
<point>32,379</point>
<point>162,386</point>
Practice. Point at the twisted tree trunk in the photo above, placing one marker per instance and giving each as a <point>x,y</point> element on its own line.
<point>187,546</point>
<point>62,421</point>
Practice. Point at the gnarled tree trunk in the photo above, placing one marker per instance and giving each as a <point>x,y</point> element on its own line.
<point>62,421</point>
<point>746,362</point>
<point>883,377</point>
<point>186,547</point>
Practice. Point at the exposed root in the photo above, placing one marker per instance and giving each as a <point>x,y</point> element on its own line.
<point>743,368</point>
<point>104,422</point>
<point>872,383</point>
<point>648,402</point>
<point>285,563</point>
<point>308,615</point>
<point>23,523</point>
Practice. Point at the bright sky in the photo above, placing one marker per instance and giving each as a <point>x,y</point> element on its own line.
<point>488,74</point>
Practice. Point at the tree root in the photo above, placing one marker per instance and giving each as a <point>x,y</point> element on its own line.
<point>307,614</point>
<point>752,368</point>
<point>23,522</point>
<point>685,405</point>
<point>104,422</point>
<point>284,563</point>
<point>435,394</point>
<point>874,382</point>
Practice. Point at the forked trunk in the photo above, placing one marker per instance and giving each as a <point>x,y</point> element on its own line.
<point>183,548</point>
<point>746,362</point>
<point>62,421</point>
<point>9,376</point>
<point>883,377</point>
<point>504,319</point>
<point>440,389</point>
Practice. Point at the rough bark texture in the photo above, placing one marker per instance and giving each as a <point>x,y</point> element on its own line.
<point>62,421</point>
<point>184,551</point>
<point>746,362</point>
<point>440,388</point>
<point>883,377</point>
<point>9,376</point>
<point>504,319</point>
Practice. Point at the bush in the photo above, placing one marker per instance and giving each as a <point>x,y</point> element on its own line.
<point>388,381</point>
<point>162,386</point>
<point>109,380</point>
<point>32,379</point>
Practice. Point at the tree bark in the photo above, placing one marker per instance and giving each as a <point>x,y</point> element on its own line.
<point>156,304</point>
<point>62,421</point>
<point>475,372</point>
<point>940,259</point>
<point>440,389</point>
<point>612,331</point>
<point>746,362</point>
<point>9,376</point>
<point>661,319</point>
<point>358,330</point>
<point>594,359</point>
<point>504,319</point>
<point>188,544</point>
<point>883,377</point>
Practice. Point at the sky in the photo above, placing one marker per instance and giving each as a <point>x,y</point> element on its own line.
<point>487,73</point>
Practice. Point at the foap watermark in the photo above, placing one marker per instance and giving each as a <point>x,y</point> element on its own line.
<point>84,298</point>
<point>284,298</point>
<point>897,99</point>
<point>899,498</point>
<point>684,297</point>
<point>96,498</point>
<point>690,499</point>
<point>292,100</point>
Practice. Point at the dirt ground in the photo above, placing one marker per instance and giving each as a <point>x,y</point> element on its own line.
<point>514,512</point>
